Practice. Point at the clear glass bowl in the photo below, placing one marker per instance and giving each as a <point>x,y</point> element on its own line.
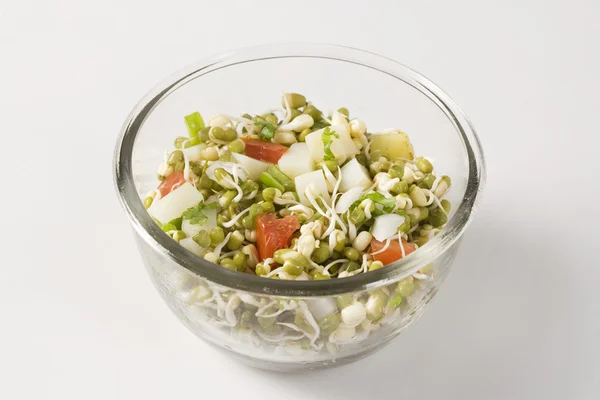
<point>254,318</point>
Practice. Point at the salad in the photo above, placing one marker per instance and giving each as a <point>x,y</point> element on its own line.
<point>300,196</point>
<point>295,194</point>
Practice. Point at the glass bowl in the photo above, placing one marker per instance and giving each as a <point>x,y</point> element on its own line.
<point>257,319</point>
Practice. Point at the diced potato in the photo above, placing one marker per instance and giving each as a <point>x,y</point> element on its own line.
<point>192,230</point>
<point>342,148</point>
<point>386,226</point>
<point>193,153</point>
<point>175,203</point>
<point>192,246</point>
<point>338,118</point>
<point>253,167</point>
<point>347,199</point>
<point>353,175</point>
<point>392,145</point>
<point>296,161</point>
<point>316,181</point>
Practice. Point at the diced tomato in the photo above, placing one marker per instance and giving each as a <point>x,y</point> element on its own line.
<point>171,183</point>
<point>392,253</point>
<point>263,150</point>
<point>273,234</point>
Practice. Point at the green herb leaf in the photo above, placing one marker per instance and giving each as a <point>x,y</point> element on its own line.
<point>388,204</point>
<point>173,225</point>
<point>327,138</point>
<point>169,227</point>
<point>195,214</point>
<point>194,123</point>
<point>267,132</point>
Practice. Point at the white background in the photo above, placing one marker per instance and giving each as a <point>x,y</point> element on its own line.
<point>519,316</point>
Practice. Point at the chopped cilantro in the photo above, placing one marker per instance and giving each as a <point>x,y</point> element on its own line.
<point>388,203</point>
<point>327,138</point>
<point>268,130</point>
<point>195,214</point>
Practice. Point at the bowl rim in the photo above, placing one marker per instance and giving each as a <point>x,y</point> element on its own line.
<point>150,233</point>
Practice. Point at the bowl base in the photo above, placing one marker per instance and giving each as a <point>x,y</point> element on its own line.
<point>287,367</point>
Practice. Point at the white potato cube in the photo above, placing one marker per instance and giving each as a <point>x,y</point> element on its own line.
<point>317,183</point>
<point>347,199</point>
<point>386,226</point>
<point>192,230</point>
<point>193,153</point>
<point>253,167</point>
<point>338,118</point>
<point>342,148</point>
<point>296,161</point>
<point>354,175</point>
<point>175,203</point>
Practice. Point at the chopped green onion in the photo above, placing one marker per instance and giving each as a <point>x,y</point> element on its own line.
<point>173,225</point>
<point>194,123</point>
<point>192,142</point>
<point>268,180</point>
<point>176,222</point>
<point>168,227</point>
<point>282,178</point>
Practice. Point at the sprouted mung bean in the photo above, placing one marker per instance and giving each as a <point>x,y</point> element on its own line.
<point>296,195</point>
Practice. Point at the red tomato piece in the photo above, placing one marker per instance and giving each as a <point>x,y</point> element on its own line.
<point>171,183</point>
<point>392,253</point>
<point>273,234</point>
<point>263,150</point>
